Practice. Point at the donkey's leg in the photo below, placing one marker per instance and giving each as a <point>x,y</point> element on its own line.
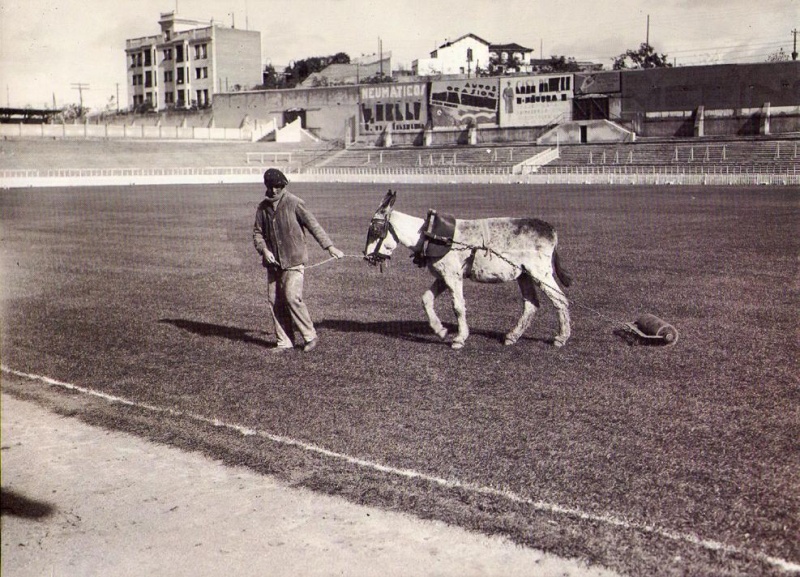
<point>428,299</point>
<point>540,268</point>
<point>548,284</point>
<point>530,302</point>
<point>456,287</point>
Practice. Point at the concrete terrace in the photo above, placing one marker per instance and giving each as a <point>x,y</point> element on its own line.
<point>60,162</point>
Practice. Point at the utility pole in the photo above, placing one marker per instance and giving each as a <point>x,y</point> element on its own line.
<point>794,51</point>
<point>80,87</point>
<point>647,37</point>
<point>117,97</point>
<point>380,50</point>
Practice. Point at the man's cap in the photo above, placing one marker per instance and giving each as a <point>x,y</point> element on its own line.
<point>275,178</point>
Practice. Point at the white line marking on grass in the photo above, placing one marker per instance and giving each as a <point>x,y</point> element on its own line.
<point>554,508</point>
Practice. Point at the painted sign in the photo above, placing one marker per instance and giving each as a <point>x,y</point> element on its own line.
<point>399,106</point>
<point>464,102</point>
<point>535,100</point>
<point>597,83</point>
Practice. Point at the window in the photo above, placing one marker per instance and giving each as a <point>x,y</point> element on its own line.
<point>180,75</point>
<point>168,74</point>
<point>179,52</point>
<point>168,54</point>
<point>148,79</point>
<point>201,72</point>
<point>147,56</point>
<point>200,51</point>
<point>169,98</point>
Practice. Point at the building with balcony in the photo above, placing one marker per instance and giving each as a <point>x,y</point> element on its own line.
<point>189,62</point>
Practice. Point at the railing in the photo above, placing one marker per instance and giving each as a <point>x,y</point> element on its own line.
<point>333,146</point>
<point>123,172</point>
<point>535,163</point>
<point>662,169</point>
<point>400,170</point>
<point>122,131</point>
<point>286,156</point>
<point>584,175</point>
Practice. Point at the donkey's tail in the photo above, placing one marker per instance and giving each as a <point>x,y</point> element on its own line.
<point>562,275</point>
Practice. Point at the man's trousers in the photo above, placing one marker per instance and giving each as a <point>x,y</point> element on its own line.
<point>289,311</point>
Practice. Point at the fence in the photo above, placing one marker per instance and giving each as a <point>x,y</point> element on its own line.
<point>656,175</point>
<point>123,131</point>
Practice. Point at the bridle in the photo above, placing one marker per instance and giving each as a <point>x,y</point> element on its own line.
<point>379,229</point>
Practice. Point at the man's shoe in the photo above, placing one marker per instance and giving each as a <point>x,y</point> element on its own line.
<point>310,345</point>
<point>281,349</point>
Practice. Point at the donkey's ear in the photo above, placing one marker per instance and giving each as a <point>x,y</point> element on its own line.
<point>388,200</point>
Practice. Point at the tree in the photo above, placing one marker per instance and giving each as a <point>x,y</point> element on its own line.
<point>295,73</point>
<point>271,79</point>
<point>644,57</point>
<point>377,78</point>
<point>498,66</point>
<point>71,113</point>
<point>560,64</point>
<point>779,56</point>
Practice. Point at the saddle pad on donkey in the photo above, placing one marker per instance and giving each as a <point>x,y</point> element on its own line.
<point>439,229</point>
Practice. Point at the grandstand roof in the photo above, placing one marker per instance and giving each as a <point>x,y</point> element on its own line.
<point>26,115</point>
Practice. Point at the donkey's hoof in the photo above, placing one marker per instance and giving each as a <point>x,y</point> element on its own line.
<point>442,334</point>
<point>509,341</point>
<point>457,345</point>
<point>558,342</point>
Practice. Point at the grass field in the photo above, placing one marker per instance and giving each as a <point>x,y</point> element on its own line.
<point>649,460</point>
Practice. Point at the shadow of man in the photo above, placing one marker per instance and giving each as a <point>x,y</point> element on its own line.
<point>213,330</point>
<point>12,503</point>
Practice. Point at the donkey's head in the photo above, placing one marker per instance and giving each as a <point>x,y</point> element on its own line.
<point>381,238</point>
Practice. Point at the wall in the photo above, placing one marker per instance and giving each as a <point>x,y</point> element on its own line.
<point>461,103</point>
<point>658,103</point>
<point>327,109</point>
<point>395,107</point>
<point>719,86</point>
<point>237,58</point>
<point>536,100</point>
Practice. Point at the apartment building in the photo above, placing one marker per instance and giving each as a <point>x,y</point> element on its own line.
<point>189,62</point>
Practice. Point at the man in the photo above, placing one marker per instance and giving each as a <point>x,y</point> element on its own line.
<point>282,220</point>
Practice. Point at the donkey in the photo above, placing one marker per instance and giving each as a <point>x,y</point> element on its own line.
<point>488,250</point>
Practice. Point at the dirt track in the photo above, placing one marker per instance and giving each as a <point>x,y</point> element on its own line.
<point>82,501</point>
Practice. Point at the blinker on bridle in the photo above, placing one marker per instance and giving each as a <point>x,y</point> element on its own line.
<point>379,229</point>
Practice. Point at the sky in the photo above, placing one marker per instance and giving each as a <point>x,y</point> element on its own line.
<point>48,47</point>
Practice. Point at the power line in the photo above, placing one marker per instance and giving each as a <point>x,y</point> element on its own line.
<point>80,87</point>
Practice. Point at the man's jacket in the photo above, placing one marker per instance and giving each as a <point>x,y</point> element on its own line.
<point>281,230</point>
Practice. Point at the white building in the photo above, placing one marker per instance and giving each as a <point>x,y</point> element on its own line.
<point>460,56</point>
<point>189,62</point>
